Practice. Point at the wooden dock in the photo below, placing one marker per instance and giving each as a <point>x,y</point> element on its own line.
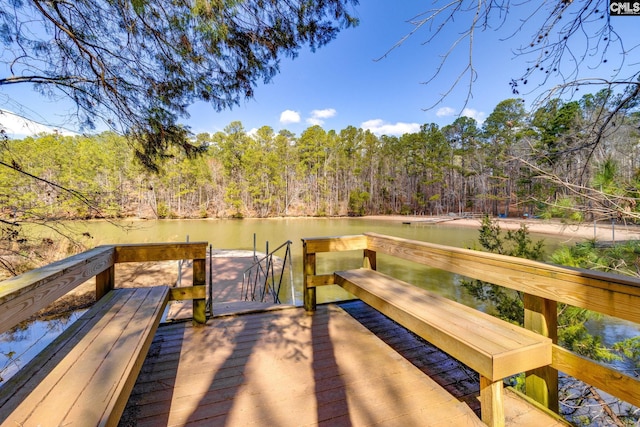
<point>345,365</point>
<point>285,368</point>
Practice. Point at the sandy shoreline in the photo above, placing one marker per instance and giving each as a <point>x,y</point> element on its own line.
<point>602,232</point>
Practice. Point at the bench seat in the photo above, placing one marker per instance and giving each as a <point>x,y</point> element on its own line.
<point>85,376</point>
<point>492,347</point>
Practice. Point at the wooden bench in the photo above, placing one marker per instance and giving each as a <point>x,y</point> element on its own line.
<point>85,376</point>
<point>542,286</point>
<point>492,347</point>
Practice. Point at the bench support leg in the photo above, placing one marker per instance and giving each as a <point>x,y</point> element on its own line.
<point>491,402</point>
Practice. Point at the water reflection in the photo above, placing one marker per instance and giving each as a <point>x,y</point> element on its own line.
<point>25,341</point>
<point>239,234</point>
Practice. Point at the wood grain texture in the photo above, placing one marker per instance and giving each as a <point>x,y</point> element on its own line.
<point>544,286</point>
<point>614,382</point>
<point>160,251</point>
<point>91,382</point>
<point>187,292</point>
<point>492,402</point>
<point>541,316</point>
<point>320,280</point>
<point>309,271</point>
<point>105,282</point>
<point>13,287</point>
<point>24,295</point>
<point>606,293</point>
<point>199,310</point>
<point>334,244</point>
<point>285,368</point>
<point>492,347</point>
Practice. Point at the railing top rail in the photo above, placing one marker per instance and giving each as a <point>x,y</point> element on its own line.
<point>599,278</point>
<point>23,295</point>
<point>427,253</point>
<point>607,293</point>
<point>14,286</point>
<point>160,251</point>
<point>333,244</point>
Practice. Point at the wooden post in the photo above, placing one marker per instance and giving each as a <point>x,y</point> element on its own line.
<point>541,316</point>
<point>200,304</point>
<point>309,269</point>
<point>105,281</point>
<point>369,260</point>
<point>491,402</point>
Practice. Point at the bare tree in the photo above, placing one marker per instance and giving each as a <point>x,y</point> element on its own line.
<point>558,40</point>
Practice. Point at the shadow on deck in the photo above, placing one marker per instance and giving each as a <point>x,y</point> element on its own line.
<point>284,368</point>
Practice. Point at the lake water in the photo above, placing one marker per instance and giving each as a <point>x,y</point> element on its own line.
<point>239,234</point>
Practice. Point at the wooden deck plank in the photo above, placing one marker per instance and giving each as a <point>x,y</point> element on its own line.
<point>296,370</point>
<point>460,381</point>
<point>130,352</point>
<point>46,379</point>
<point>104,362</point>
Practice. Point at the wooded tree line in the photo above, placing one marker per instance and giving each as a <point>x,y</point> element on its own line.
<point>514,163</point>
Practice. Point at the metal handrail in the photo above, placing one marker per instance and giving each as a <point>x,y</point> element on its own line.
<point>262,279</point>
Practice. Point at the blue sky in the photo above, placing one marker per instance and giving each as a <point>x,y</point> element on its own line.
<point>341,84</point>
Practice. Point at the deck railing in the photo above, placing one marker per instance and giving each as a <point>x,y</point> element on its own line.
<point>543,285</point>
<point>26,294</point>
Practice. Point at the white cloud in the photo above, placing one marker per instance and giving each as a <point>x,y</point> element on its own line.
<point>479,116</point>
<point>319,116</point>
<point>474,114</point>
<point>380,127</point>
<point>289,116</point>
<point>17,126</point>
<point>313,121</point>
<point>445,112</point>
<point>327,113</point>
